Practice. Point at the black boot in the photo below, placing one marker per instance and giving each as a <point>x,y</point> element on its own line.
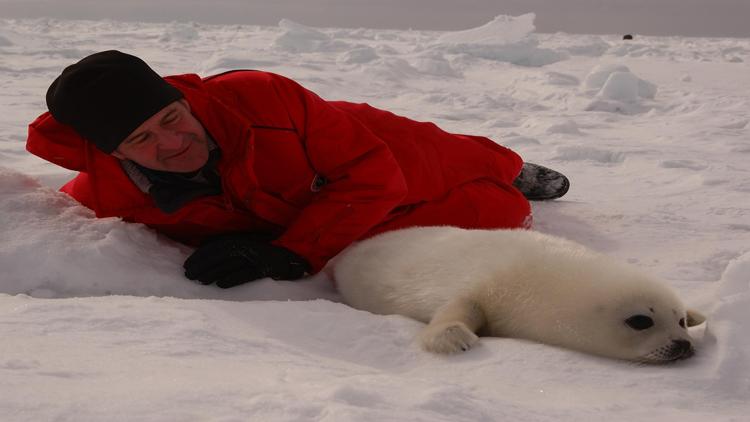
<point>538,183</point>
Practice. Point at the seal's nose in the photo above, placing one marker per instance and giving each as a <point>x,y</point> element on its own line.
<point>682,349</point>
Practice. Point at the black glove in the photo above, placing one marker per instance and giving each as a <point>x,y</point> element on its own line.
<point>234,259</point>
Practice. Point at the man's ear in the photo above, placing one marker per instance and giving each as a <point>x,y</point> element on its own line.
<point>185,103</point>
<point>117,155</point>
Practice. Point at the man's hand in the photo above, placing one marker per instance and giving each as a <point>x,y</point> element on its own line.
<point>234,259</point>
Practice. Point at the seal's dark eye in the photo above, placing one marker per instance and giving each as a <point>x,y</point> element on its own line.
<point>639,322</point>
<point>682,322</point>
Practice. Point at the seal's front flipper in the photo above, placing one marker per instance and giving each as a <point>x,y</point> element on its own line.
<point>453,327</point>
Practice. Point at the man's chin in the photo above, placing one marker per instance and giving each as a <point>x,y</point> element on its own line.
<point>186,166</point>
<point>185,162</point>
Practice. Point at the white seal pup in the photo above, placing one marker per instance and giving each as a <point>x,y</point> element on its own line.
<point>514,283</point>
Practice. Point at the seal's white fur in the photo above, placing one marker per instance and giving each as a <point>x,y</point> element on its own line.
<point>512,283</point>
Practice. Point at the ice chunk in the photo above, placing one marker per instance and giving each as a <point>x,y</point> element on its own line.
<point>180,32</point>
<point>504,39</point>
<point>501,30</point>
<point>598,76</point>
<point>298,38</point>
<point>617,90</point>
<point>621,86</point>
<point>359,55</point>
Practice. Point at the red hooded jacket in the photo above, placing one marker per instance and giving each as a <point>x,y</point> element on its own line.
<point>278,140</point>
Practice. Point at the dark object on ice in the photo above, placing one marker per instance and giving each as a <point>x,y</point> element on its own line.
<point>627,37</point>
<point>538,183</point>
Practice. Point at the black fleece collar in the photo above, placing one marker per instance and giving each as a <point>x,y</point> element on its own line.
<point>169,190</point>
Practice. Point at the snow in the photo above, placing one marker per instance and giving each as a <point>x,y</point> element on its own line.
<point>98,322</point>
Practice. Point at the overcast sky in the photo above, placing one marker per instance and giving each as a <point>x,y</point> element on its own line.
<point>653,17</point>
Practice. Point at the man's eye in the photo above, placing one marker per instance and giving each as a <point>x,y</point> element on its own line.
<point>140,140</point>
<point>171,119</point>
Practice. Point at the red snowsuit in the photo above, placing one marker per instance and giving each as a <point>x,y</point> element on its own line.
<point>381,171</point>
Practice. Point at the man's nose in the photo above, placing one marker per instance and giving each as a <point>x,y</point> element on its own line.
<point>170,140</point>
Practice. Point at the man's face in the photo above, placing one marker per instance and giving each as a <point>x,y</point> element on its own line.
<point>170,140</point>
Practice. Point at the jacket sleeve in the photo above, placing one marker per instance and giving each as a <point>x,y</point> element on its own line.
<point>364,180</point>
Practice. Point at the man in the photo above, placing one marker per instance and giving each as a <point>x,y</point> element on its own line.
<point>268,178</point>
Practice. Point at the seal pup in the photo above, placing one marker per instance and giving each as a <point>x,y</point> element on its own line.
<point>514,283</point>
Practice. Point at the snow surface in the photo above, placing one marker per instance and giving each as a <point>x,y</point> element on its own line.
<point>98,322</point>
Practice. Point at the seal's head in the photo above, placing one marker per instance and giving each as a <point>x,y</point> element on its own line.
<point>639,319</point>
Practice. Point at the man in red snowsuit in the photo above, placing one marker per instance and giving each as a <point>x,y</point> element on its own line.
<point>268,178</point>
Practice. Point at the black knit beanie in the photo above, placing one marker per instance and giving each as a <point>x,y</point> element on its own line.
<point>107,95</point>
